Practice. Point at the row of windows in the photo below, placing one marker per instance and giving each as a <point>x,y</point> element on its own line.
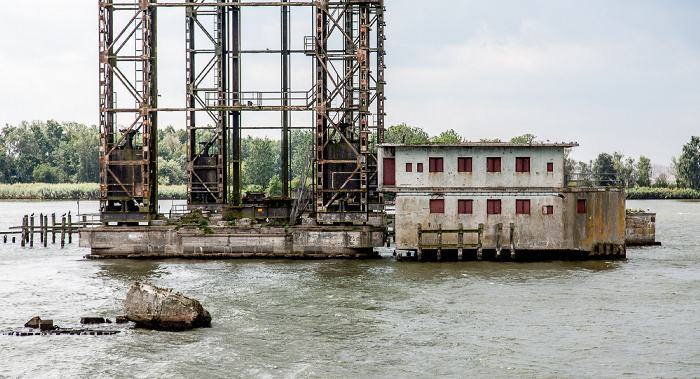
<point>465,206</point>
<point>464,164</point>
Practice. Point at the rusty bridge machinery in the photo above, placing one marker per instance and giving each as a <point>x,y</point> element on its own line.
<point>345,49</point>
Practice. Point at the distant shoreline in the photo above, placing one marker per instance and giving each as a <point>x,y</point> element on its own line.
<point>90,191</point>
<point>72,191</point>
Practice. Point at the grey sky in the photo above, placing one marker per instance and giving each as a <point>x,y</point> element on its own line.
<point>612,75</point>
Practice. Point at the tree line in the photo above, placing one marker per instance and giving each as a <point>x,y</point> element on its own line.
<point>53,152</point>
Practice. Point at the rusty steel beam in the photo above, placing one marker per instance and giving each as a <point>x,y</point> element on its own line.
<point>128,177</point>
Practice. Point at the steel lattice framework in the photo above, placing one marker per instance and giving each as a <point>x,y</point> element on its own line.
<point>347,53</point>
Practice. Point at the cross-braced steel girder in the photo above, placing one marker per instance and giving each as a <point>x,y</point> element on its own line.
<point>128,151</point>
<point>347,51</point>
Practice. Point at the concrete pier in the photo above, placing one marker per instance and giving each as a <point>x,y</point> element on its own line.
<point>257,241</point>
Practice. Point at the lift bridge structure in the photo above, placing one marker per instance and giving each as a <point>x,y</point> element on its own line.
<point>346,97</point>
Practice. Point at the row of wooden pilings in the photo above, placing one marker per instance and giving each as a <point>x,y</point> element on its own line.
<point>29,229</point>
<point>460,245</point>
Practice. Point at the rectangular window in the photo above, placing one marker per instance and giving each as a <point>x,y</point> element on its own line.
<point>522,207</point>
<point>550,167</point>
<point>435,165</point>
<point>522,164</point>
<point>464,165</point>
<point>493,164</point>
<point>465,206</point>
<point>409,167</point>
<point>581,206</point>
<point>437,206</point>
<point>389,171</point>
<point>548,210</point>
<point>419,167</point>
<point>493,207</point>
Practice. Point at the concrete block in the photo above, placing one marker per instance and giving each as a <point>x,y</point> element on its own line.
<point>244,222</point>
<point>46,325</point>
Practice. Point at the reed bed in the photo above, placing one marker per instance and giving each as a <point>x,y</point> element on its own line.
<point>639,193</point>
<point>72,191</point>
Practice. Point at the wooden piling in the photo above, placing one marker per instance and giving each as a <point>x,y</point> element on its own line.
<point>480,239</point>
<point>24,231</point>
<point>31,231</point>
<point>46,230</point>
<point>499,229</point>
<point>460,241</point>
<point>41,228</point>
<point>420,240</point>
<point>63,231</point>
<point>512,241</point>
<point>439,241</point>
<point>70,228</point>
<point>53,228</point>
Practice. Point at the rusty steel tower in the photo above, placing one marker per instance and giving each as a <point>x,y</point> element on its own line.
<point>346,50</point>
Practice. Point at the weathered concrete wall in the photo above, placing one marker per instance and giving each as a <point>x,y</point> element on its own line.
<point>565,229</point>
<point>538,177</point>
<point>640,228</point>
<point>603,222</point>
<point>269,242</point>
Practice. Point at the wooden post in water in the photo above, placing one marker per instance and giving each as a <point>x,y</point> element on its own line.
<point>460,241</point>
<point>512,241</point>
<point>24,231</point>
<point>46,230</point>
<point>439,241</point>
<point>480,237</point>
<point>499,228</point>
<point>31,230</point>
<point>53,228</point>
<point>419,252</point>
<point>70,228</point>
<point>63,231</point>
<point>41,228</point>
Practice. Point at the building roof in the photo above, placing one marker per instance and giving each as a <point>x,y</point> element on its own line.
<point>482,144</point>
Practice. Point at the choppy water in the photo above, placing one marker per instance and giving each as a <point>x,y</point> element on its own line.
<point>346,319</point>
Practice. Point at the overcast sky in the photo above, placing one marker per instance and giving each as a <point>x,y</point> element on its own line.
<point>613,75</point>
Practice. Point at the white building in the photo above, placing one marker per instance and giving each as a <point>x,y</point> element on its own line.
<point>518,192</point>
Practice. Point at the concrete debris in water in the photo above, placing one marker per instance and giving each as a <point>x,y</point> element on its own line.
<point>161,309</point>
<point>33,323</point>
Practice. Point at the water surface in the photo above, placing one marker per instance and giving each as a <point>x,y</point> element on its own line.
<point>638,317</point>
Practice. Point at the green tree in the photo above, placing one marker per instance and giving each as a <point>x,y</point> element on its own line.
<point>525,138</point>
<point>643,172</point>
<point>403,133</point>
<point>46,174</point>
<point>274,186</point>
<point>448,136</point>
<point>261,165</point>
<point>604,169</point>
<point>300,141</point>
<point>624,169</point>
<point>687,166</point>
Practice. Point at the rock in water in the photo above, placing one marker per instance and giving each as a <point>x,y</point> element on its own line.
<point>157,308</point>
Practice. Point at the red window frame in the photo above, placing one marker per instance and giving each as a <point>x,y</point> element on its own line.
<point>435,164</point>
<point>549,209</point>
<point>493,164</point>
<point>409,167</point>
<point>522,207</point>
<point>581,206</point>
<point>465,206</point>
<point>419,167</point>
<point>522,164</point>
<point>550,167</point>
<point>493,207</point>
<point>464,164</point>
<point>437,205</point>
